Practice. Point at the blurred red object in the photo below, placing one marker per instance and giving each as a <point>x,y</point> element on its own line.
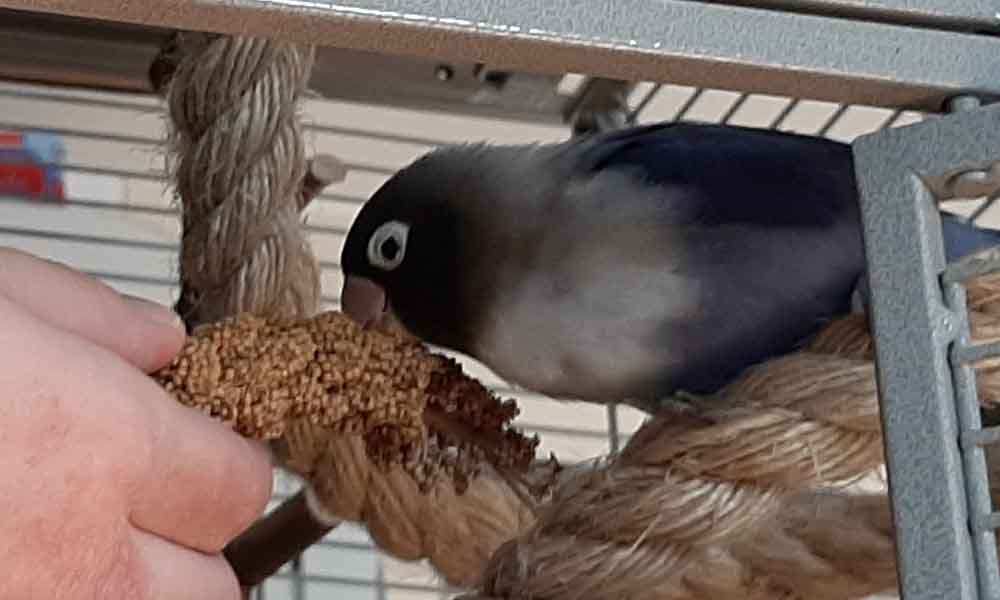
<point>30,165</point>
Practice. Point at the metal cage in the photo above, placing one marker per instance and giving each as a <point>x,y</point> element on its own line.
<point>911,84</point>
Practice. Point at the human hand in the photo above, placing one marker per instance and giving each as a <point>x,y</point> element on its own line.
<point>109,488</point>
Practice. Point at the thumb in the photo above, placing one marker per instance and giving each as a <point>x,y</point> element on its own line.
<point>143,333</point>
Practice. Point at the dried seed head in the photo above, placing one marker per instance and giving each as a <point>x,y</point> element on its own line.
<point>412,407</point>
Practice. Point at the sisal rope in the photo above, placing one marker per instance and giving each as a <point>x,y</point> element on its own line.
<point>240,168</point>
<point>745,498</point>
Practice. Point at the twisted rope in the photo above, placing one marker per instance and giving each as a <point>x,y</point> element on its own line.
<point>744,498</point>
<point>240,169</point>
<point>455,533</point>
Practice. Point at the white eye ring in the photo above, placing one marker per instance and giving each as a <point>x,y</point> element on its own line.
<point>396,231</point>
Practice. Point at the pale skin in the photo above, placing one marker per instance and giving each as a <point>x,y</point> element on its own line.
<point>108,487</point>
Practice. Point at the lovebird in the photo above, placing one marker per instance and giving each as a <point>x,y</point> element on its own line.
<point>625,266</point>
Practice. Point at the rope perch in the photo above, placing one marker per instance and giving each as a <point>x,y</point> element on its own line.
<point>743,499</point>
<point>240,168</point>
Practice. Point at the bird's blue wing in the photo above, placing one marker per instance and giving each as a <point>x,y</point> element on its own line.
<point>751,176</point>
<point>764,224</point>
<point>777,246</point>
<point>962,239</point>
<point>794,179</point>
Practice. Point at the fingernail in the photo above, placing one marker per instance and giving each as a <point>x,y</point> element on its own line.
<point>151,311</point>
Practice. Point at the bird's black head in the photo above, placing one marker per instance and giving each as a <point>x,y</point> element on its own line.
<point>403,254</point>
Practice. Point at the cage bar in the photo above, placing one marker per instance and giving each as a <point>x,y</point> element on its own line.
<point>741,48</point>
<point>939,489</point>
<point>439,55</point>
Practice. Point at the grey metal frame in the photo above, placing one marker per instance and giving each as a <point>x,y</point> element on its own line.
<point>962,15</point>
<point>864,52</point>
<point>894,53</point>
<point>946,545</point>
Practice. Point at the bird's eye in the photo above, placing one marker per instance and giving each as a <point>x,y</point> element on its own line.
<point>387,246</point>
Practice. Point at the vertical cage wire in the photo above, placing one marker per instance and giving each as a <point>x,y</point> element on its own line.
<point>964,353</point>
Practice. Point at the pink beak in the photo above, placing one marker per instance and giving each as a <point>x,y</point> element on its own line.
<point>363,300</point>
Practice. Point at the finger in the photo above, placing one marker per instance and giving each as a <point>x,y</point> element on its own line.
<point>186,477</point>
<point>145,334</point>
<point>177,573</point>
